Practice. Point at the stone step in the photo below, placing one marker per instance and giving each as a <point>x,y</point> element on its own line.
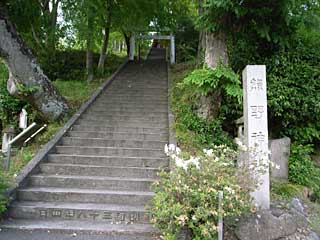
<point>162,118</point>
<point>135,104</point>
<point>109,231</point>
<point>163,137</point>
<point>130,130</point>
<point>141,85</point>
<point>133,89</point>
<point>114,123</point>
<point>76,195</point>
<point>107,213</point>
<point>129,109</point>
<point>133,97</point>
<point>98,142</point>
<point>106,112</point>
<point>137,101</point>
<point>109,160</point>
<point>110,151</point>
<point>96,170</point>
<point>91,182</point>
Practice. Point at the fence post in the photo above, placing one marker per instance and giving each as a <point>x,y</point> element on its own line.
<point>220,212</point>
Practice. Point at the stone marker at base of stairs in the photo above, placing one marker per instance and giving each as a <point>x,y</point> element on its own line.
<point>256,130</point>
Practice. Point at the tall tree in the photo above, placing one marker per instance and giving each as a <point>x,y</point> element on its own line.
<point>106,33</point>
<point>259,19</point>
<point>90,42</point>
<point>26,79</point>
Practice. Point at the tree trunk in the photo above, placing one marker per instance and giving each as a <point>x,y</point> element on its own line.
<point>201,47</point>
<point>89,63</point>
<point>89,59</point>
<point>202,37</point>
<point>127,39</point>
<point>52,38</point>
<point>104,48</point>
<point>216,49</point>
<point>216,53</point>
<point>25,73</point>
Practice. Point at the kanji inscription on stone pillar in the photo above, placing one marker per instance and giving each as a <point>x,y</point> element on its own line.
<point>256,130</point>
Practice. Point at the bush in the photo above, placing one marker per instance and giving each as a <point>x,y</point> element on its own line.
<point>71,64</point>
<point>293,79</point>
<point>10,106</point>
<point>192,130</point>
<point>4,186</point>
<point>192,201</point>
<point>302,169</point>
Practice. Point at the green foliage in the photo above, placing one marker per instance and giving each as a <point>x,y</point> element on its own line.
<point>193,132</point>
<point>192,201</point>
<point>70,64</point>
<point>269,22</point>
<point>5,183</point>
<point>285,190</point>
<point>10,106</point>
<point>294,92</point>
<point>76,92</point>
<point>207,80</point>
<point>302,169</point>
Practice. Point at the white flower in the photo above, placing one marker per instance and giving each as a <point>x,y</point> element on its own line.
<point>229,190</point>
<point>166,149</point>
<point>179,162</point>
<point>208,152</point>
<point>178,150</point>
<point>240,144</point>
<point>172,147</point>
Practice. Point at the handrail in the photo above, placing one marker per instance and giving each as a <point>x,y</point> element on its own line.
<point>22,133</point>
<point>33,135</point>
<point>7,165</point>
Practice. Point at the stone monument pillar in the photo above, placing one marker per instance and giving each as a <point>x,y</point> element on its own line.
<point>23,119</point>
<point>172,49</point>
<point>132,47</point>
<point>256,130</point>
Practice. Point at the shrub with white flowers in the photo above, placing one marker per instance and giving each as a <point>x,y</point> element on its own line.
<point>187,197</point>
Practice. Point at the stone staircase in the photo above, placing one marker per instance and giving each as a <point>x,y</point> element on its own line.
<point>98,177</point>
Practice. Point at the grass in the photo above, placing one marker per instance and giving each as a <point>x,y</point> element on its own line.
<point>77,92</point>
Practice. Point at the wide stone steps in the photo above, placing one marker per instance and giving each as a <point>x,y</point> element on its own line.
<point>126,118</point>
<point>128,109</point>
<point>96,170</point>
<point>98,142</point>
<point>114,123</point>
<point>110,151</point>
<point>112,231</point>
<point>109,160</point>
<point>134,97</point>
<point>98,178</point>
<point>131,130</point>
<point>163,137</point>
<point>107,213</point>
<point>76,195</point>
<point>138,105</point>
<point>92,182</point>
<point>133,114</point>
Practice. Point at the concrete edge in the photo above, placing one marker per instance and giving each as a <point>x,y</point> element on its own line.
<point>30,167</point>
<point>171,117</point>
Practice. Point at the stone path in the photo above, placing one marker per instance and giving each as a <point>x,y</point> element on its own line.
<point>98,178</point>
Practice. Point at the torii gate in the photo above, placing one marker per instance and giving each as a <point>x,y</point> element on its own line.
<point>153,37</point>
